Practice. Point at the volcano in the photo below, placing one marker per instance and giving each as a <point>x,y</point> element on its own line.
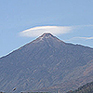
<point>46,64</point>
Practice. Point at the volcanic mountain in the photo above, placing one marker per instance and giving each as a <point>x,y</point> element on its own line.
<point>46,64</point>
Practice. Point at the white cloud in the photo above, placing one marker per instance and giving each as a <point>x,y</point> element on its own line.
<point>36,31</point>
<point>80,38</point>
<point>56,30</point>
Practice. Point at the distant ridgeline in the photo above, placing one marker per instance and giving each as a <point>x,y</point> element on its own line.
<point>88,88</point>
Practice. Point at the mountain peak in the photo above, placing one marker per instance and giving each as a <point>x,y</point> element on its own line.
<point>47,35</point>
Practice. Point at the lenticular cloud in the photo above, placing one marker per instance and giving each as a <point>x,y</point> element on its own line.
<point>36,31</point>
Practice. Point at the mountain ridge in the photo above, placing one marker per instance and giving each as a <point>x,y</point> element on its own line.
<point>46,34</point>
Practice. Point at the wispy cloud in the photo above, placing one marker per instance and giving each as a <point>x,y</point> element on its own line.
<point>36,31</point>
<point>56,30</point>
<point>80,38</point>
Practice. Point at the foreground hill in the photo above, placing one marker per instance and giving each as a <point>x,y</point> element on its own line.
<point>46,64</point>
<point>88,88</point>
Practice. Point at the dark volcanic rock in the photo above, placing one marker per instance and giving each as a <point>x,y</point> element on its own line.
<point>44,63</point>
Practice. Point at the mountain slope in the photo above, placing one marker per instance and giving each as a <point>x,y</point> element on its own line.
<point>45,62</point>
<point>88,88</point>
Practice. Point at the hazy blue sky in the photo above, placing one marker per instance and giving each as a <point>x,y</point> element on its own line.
<point>19,15</point>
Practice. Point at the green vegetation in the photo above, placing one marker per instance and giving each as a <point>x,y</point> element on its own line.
<point>88,88</point>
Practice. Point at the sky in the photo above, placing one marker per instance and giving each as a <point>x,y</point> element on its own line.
<point>22,21</point>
